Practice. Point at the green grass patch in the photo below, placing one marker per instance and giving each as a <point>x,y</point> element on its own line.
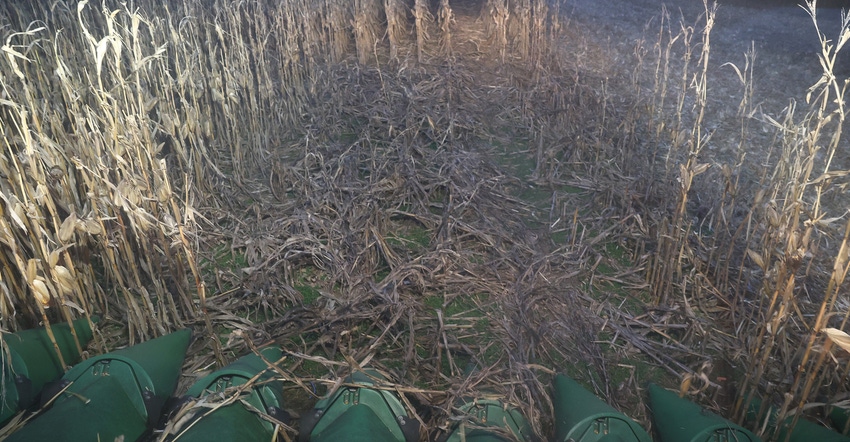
<point>433,302</point>
<point>640,368</point>
<point>618,253</point>
<point>307,281</point>
<point>382,273</point>
<point>464,305</point>
<point>411,237</point>
<point>224,259</point>
<point>308,293</point>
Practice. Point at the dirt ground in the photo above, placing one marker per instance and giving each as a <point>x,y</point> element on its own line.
<point>781,31</point>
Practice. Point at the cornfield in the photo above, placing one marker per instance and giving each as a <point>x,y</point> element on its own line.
<point>447,191</point>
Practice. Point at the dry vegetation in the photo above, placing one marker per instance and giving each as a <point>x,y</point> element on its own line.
<point>466,196</point>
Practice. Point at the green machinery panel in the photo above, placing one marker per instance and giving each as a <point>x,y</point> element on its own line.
<point>235,421</point>
<point>30,362</point>
<point>115,395</point>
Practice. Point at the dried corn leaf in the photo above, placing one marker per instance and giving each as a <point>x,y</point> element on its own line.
<point>90,226</point>
<point>126,190</point>
<point>12,54</point>
<point>74,306</point>
<point>6,236</point>
<point>41,193</point>
<point>828,176</point>
<point>143,219</point>
<point>17,213</point>
<point>839,337</point>
<point>756,257</point>
<point>699,168</point>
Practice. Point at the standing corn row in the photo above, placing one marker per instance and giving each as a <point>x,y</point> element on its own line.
<point>496,15</point>
<point>396,25</point>
<point>366,28</point>
<point>446,18</point>
<point>423,20</point>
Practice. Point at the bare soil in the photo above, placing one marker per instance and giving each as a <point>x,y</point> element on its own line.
<point>781,32</point>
